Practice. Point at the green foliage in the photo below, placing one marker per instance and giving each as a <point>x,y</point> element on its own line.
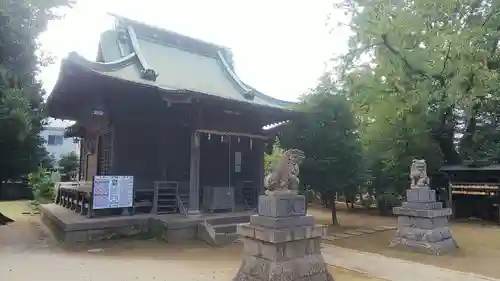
<point>270,160</point>
<point>69,163</point>
<point>41,186</point>
<point>327,135</point>
<point>21,109</point>
<point>386,201</point>
<point>367,202</point>
<point>424,79</point>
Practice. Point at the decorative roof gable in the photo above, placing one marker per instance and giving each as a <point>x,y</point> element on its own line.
<point>144,54</point>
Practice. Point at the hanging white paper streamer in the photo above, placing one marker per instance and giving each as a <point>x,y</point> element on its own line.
<point>251,144</point>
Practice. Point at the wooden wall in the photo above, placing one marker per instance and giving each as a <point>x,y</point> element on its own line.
<point>151,141</point>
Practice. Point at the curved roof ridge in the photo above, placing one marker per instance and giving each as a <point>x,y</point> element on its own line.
<point>248,93</point>
<point>161,29</point>
<point>146,72</point>
<point>101,66</point>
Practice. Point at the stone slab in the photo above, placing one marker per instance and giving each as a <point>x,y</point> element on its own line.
<point>331,238</point>
<point>427,235</point>
<point>354,232</point>
<point>272,222</point>
<point>383,228</point>
<point>423,223</point>
<point>282,251</point>
<point>283,205</point>
<point>366,231</point>
<point>342,235</point>
<point>421,194</point>
<point>281,235</point>
<point>436,248</point>
<point>423,206</point>
<point>307,267</point>
<point>421,213</point>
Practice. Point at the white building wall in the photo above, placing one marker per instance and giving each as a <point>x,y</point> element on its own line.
<point>58,148</point>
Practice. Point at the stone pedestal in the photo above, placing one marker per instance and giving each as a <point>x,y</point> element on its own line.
<point>423,223</point>
<point>282,243</point>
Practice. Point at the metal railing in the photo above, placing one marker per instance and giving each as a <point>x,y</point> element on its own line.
<point>180,205</point>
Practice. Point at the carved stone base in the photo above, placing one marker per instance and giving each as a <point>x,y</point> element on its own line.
<point>423,224</point>
<point>279,247</point>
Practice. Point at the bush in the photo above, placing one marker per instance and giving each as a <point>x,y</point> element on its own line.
<point>41,186</point>
<point>367,202</point>
<point>386,201</point>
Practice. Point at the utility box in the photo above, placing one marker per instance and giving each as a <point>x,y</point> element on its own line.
<point>218,198</point>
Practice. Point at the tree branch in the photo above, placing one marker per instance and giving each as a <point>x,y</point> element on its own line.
<point>446,59</point>
<point>408,65</point>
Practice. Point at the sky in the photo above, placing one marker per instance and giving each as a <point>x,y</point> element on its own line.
<point>280,47</point>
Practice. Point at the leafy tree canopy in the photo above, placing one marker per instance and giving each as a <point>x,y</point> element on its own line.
<point>424,78</point>
<point>327,134</point>
<point>69,163</point>
<point>21,102</point>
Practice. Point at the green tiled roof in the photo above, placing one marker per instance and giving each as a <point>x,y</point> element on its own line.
<point>148,55</point>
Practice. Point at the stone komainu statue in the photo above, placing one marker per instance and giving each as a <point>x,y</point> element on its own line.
<point>418,173</point>
<point>285,175</point>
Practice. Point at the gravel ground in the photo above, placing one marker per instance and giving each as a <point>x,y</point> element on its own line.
<point>29,252</point>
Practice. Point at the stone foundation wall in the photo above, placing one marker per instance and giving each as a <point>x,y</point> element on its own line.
<point>94,235</point>
<point>98,230</point>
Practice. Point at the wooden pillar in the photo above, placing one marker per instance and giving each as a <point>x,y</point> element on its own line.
<point>194,175</point>
<point>259,150</point>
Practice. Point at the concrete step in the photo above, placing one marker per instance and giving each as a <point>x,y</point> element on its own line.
<point>225,228</point>
<point>217,235</point>
<point>230,220</point>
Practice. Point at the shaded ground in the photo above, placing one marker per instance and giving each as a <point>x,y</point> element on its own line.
<point>479,244</point>
<point>26,243</point>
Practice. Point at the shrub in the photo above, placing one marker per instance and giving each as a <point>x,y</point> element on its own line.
<point>367,202</point>
<point>41,186</point>
<point>386,201</point>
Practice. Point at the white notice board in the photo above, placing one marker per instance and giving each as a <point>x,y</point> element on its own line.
<point>112,192</point>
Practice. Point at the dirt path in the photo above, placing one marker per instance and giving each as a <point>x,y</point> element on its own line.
<point>393,269</point>
<point>479,250</point>
<point>29,252</point>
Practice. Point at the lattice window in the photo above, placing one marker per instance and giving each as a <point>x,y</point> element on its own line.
<point>105,152</point>
<point>83,161</point>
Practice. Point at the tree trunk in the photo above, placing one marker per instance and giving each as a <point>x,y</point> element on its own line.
<point>335,221</point>
<point>444,136</point>
<point>467,141</point>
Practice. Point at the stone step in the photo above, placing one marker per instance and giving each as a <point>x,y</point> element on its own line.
<point>356,232</point>
<point>225,228</point>
<point>230,220</point>
<point>217,235</point>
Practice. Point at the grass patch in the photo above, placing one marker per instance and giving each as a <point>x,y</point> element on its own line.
<point>14,209</point>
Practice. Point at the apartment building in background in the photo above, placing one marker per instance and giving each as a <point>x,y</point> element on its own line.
<point>55,142</point>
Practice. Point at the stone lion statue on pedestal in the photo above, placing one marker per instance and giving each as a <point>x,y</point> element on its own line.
<point>285,175</point>
<point>418,173</point>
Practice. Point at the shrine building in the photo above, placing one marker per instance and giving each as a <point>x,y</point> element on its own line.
<point>170,111</point>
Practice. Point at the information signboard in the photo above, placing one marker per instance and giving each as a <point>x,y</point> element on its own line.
<point>112,192</point>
